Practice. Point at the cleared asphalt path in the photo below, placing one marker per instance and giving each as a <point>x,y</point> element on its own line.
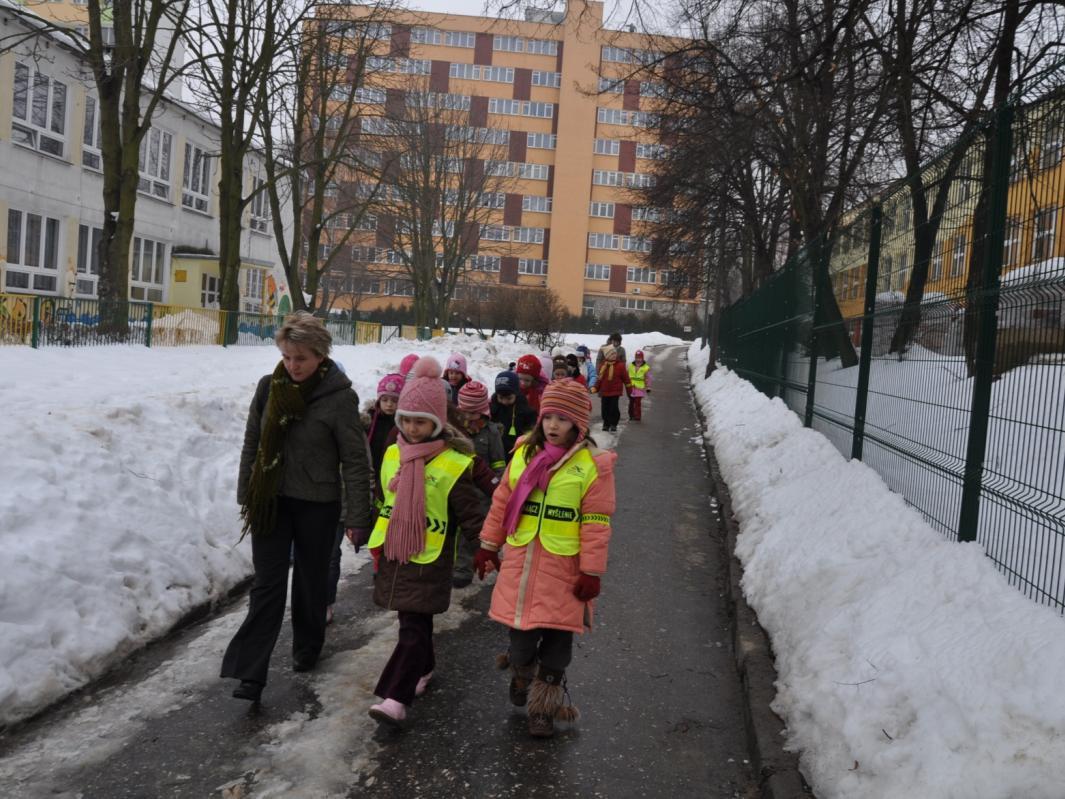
<point>655,682</point>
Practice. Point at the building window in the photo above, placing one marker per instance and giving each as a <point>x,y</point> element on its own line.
<point>39,111</point>
<point>251,290</point>
<point>492,199</point>
<point>635,305</point>
<point>902,274</point>
<point>651,151</point>
<point>498,74</point>
<point>603,210</point>
<point>1043,243</point>
<point>541,46</point>
<point>495,233</point>
<point>652,89</point>
<point>528,235</point>
<point>603,177</point>
<point>644,213</point>
<point>534,109</point>
<point>607,147</point>
<point>209,291</point>
<point>88,273</point>
<point>597,271</point>
<point>465,71</point>
<point>501,105</point>
<point>532,266</point>
<point>508,44</point>
<point>460,39</point>
<point>542,141</point>
<point>935,271</point>
<point>485,263</point>
<point>611,85</point>
<point>32,253</point>
<point>196,181</point>
<point>1050,152</point>
<point>147,277</point>
<point>603,241</point>
<point>617,55</point>
<point>640,274</point>
<point>957,257</point>
<point>91,156</point>
<point>533,171</point>
<point>635,244</point>
<point>423,35</point>
<point>260,206</point>
<point>154,163</point>
<point>536,203</point>
<point>550,79</point>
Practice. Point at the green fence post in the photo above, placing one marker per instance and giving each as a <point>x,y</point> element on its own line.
<point>865,358</point>
<point>984,367</point>
<point>35,331</point>
<point>148,326</point>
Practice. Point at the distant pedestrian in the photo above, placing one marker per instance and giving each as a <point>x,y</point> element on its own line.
<point>304,450</point>
<point>457,375</point>
<point>611,381</point>
<point>528,371</point>
<point>552,511</point>
<point>587,367</point>
<point>429,499</point>
<point>510,410</point>
<point>613,340</point>
<point>640,379</point>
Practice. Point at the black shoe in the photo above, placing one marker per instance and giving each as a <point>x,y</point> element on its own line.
<point>460,582</point>
<point>248,689</point>
<point>304,662</point>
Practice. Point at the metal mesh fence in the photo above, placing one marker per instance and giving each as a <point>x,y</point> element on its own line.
<point>927,338</point>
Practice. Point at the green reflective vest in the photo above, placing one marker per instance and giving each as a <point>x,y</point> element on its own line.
<point>556,515</point>
<point>639,376</point>
<point>441,474</point>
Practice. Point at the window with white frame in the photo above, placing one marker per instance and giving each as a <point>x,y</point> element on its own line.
<point>1043,242</point>
<point>365,222</point>
<point>597,271</point>
<point>611,85</point>
<point>651,151</point>
<point>652,89</point>
<point>39,111</point>
<point>88,263</point>
<point>640,274</point>
<point>1050,151</point>
<point>1011,246</point>
<point>464,71</point>
<point>251,285</point>
<point>536,203</point>
<point>32,252</point>
<point>154,163</point>
<point>399,288</point>
<point>260,206</point>
<point>635,305</point>
<point>603,210</point>
<point>492,199</point>
<point>210,290</point>
<point>617,55</point>
<point>485,263</point>
<point>535,109</point>
<point>612,116</point>
<point>91,156</point>
<point>508,44</point>
<point>147,274</point>
<point>495,233</point>
<point>498,74</point>
<point>635,244</point>
<point>502,105</point>
<point>460,39</point>
<point>550,79</point>
<point>603,241</point>
<point>642,119</point>
<point>902,274</point>
<point>412,66</point>
<point>639,180</point>
<point>607,147</point>
<point>196,181</point>
<point>957,256</point>
<point>499,168</point>
<point>935,269</point>
<point>423,35</point>
<point>541,46</point>
<point>542,141</point>
<point>884,275</point>
<point>528,235</point>
<point>532,266</point>
<point>367,94</point>
<point>604,177</point>
<point>644,213</point>
<point>533,171</point>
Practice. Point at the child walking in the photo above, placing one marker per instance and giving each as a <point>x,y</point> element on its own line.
<point>552,511</point>
<point>612,379</point>
<point>510,410</point>
<point>640,378</point>
<point>429,499</point>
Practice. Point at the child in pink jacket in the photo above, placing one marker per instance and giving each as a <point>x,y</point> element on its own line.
<point>552,511</point>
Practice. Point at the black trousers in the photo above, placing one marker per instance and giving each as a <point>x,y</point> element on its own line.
<point>412,658</point>
<point>611,411</point>
<point>334,567</point>
<point>552,648</point>
<point>307,530</point>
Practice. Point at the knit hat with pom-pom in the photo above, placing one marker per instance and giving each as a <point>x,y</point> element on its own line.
<point>407,364</point>
<point>424,396</point>
<point>569,399</point>
<point>473,397</point>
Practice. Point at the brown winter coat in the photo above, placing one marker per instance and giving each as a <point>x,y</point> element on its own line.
<point>426,588</point>
<point>327,439</point>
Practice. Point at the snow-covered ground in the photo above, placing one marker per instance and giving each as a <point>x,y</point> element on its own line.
<point>908,666</point>
<point>118,512</point>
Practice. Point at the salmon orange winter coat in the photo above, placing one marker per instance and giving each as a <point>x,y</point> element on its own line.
<point>535,587</point>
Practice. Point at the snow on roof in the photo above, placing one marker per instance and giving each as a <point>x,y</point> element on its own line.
<point>1050,269</point>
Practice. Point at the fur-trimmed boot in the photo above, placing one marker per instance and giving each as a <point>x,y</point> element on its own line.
<point>521,678</point>
<point>547,703</point>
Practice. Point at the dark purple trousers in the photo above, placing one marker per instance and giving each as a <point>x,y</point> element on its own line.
<point>411,659</point>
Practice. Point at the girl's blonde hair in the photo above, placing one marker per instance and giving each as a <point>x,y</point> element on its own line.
<point>307,330</point>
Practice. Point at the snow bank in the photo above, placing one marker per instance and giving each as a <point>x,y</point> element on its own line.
<point>908,667</point>
<point>119,513</point>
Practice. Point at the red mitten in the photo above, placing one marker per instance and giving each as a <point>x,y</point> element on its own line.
<point>483,558</point>
<point>587,587</point>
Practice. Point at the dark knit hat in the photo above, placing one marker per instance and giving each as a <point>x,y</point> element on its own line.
<point>507,383</point>
<point>569,399</point>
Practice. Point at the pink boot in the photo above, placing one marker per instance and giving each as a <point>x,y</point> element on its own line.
<point>389,711</point>
<point>423,684</point>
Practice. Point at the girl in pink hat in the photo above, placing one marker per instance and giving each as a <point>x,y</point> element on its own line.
<point>428,498</point>
<point>456,375</point>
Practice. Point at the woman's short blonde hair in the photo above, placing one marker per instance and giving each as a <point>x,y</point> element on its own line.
<point>307,330</point>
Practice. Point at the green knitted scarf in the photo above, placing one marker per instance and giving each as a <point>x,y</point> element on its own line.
<point>285,404</point>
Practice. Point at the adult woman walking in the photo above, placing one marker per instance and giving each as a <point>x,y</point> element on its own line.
<point>303,448</point>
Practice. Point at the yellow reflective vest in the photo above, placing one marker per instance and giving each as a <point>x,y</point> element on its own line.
<point>555,516</point>
<point>639,376</point>
<point>441,474</point>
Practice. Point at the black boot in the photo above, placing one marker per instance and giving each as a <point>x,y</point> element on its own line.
<point>248,689</point>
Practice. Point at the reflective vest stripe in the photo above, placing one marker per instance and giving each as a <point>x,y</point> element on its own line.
<point>441,474</point>
<point>638,377</point>
<point>554,516</point>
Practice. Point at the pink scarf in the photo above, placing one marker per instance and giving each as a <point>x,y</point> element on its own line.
<point>406,528</point>
<point>536,475</point>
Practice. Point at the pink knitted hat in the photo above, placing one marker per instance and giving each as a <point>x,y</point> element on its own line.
<point>424,396</point>
<point>407,364</point>
<point>473,397</point>
<point>390,385</point>
<point>457,362</point>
